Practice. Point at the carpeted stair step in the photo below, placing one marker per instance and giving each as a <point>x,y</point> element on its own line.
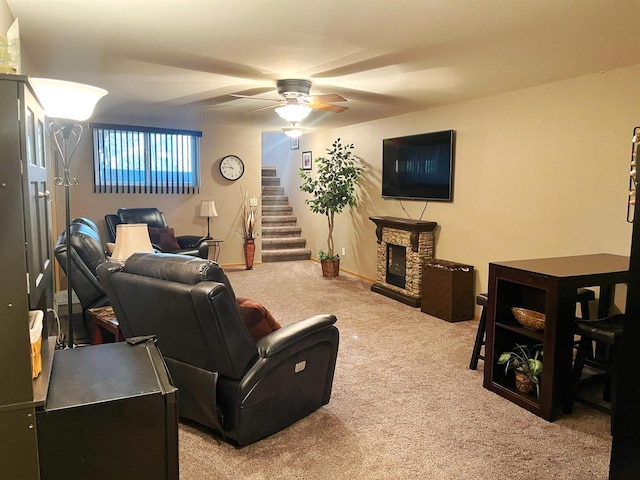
<point>285,243</point>
<point>286,255</point>
<point>269,171</point>
<point>281,239</point>
<point>279,221</point>
<point>270,182</point>
<point>279,232</point>
<point>275,200</point>
<point>271,210</point>
<point>271,191</point>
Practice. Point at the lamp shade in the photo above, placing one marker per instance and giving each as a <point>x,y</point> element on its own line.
<point>69,100</point>
<point>131,238</point>
<point>208,208</point>
<point>293,132</point>
<point>294,112</point>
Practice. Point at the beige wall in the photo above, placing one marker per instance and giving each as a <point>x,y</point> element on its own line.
<point>181,211</point>
<point>6,18</point>
<point>538,172</point>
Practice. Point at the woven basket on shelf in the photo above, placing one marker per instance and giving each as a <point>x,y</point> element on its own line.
<point>529,318</point>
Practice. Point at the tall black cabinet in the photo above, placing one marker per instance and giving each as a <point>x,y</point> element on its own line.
<point>26,262</point>
<point>625,461</point>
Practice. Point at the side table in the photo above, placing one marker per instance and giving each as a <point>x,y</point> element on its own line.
<point>104,319</point>
<point>214,248</point>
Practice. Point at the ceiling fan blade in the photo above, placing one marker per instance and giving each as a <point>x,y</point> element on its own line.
<point>220,99</point>
<point>237,95</point>
<point>327,107</point>
<point>200,63</point>
<point>327,97</point>
<point>275,105</point>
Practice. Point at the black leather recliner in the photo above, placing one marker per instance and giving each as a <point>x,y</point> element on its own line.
<point>87,252</point>
<point>245,390</point>
<point>194,245</point>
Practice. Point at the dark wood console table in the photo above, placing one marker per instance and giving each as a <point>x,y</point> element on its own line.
<point>549,286</point>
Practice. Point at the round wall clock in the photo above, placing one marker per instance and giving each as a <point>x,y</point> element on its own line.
<point>231,167</point>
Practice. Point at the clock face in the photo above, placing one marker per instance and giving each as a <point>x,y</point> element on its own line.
<point>231,167</point>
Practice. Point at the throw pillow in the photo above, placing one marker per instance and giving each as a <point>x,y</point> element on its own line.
<point>164,238</point>
<point>257,318</point>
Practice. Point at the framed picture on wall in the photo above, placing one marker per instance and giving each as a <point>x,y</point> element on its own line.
<point>294,143</point>
<point>306,160</point>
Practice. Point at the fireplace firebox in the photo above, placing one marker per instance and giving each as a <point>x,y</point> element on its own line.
<point>396,265</point>
<point>404,245</point>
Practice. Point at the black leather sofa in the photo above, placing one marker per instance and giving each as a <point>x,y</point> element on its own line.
<point>194,245</point>
<point>244,389</point>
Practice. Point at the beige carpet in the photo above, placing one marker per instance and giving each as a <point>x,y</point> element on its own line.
<point>404,404</point>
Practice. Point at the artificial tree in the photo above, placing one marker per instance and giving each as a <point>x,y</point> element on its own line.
<point>333,188</point>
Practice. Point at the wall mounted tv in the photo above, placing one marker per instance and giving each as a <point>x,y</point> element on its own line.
<point>419,167</point>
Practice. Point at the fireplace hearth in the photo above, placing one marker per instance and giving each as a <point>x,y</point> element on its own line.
<point>403,246</point>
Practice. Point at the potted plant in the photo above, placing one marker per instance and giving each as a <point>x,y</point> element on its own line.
<point>332,190</point>
<point>249,218</point>
<point>527,365</point>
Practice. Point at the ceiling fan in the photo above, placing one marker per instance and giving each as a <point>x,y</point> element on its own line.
<point>295,92</point>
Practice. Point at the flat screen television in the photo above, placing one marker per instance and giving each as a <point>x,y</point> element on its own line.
<point>419,167</point>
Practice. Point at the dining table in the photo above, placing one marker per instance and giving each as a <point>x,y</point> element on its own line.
<point>547,286</point>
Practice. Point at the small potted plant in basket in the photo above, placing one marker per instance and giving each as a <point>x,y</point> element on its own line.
<point>526,363</point>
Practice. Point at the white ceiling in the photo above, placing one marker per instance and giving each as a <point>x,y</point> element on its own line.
<point>387,57</point>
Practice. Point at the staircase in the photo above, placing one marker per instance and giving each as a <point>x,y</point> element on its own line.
<point>281,239</point>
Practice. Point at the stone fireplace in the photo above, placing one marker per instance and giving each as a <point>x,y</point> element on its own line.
<point>404,245</point>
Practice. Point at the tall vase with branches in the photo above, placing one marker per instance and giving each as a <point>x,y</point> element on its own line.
<point>333,188</point>
<point>248,221</point>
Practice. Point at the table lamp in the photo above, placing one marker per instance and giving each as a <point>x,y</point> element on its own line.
<point>131,238</point>
<point>208,209</point>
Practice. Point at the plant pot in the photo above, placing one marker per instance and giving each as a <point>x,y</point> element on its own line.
<point>330,268</point>
<point>249,252</point>
<point>524,383</point>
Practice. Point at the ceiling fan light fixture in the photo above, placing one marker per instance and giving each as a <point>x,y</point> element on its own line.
<point>294,113</point>
<point>293,132</point>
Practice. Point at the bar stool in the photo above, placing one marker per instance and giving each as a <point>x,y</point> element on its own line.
<point>481,299</point>
<point>606,331</point>
<point>583,297</point>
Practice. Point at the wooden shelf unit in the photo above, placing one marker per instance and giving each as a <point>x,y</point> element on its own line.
<point>506,332</point>
<point>548,286</point>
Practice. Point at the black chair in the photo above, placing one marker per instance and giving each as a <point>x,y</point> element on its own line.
<point>481,299</point>
<point>159,232</point>
<point>87,252</point>
<point>242,388</point>
<point>583,297</point>
<point>605,332</point>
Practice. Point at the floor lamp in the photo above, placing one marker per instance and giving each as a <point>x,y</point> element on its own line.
<point>66,104</point>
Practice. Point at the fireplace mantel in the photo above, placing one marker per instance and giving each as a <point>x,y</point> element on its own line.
<point>413,226</point>
<point>417,237</point>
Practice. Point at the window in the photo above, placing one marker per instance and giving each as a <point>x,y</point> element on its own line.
<point>129,159</point>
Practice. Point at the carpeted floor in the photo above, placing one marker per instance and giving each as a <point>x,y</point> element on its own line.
<point>404,403</point>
